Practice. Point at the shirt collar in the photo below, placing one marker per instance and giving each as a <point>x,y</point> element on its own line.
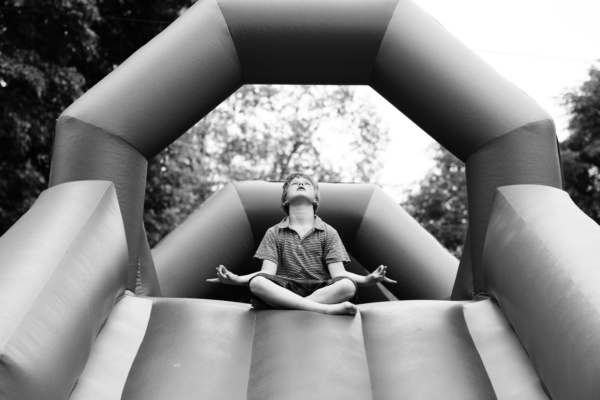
<point>318,224</point>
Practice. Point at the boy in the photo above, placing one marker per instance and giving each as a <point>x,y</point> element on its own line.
<point>302,259</point>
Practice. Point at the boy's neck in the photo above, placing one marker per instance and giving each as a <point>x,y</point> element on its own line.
<point>302,214</point>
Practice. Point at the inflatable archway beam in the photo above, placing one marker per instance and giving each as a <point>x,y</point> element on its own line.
<point>391,45</point>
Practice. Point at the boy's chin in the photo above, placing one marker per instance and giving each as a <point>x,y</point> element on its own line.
<point>301,198</point>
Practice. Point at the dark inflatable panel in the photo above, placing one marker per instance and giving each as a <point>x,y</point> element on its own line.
<point>388,235</point>
<point>515,158</point>
<point>463,284</point>
<point>86,152</point>
<point>310,41</point>
<point>217,233</point>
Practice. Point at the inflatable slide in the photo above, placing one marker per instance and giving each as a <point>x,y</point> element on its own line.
<point>89,311</point>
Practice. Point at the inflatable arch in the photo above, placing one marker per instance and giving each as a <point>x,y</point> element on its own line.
<point>70,329</point>
<point>405,55</point>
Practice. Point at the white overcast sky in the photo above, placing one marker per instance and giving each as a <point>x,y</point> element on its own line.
<point>544,47</point>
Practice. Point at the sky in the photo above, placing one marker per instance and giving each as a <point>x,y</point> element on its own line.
<point>545,47</point>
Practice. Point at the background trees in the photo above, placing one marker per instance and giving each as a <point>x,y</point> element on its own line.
<point>581,150</point>
<point>440,202</point>
<point>51,52</point>
<point>264,132</point>
<point>40,45</point>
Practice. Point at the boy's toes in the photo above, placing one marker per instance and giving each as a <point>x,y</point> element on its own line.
<point>351,308</point>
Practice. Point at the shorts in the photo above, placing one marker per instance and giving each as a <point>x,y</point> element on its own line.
<point>302,288</point>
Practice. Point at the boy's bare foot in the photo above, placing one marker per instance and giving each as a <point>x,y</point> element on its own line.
<point>345,308</point>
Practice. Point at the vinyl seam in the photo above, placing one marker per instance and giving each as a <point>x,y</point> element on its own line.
<point>387,27</point>
<point>362,328</point>
<point>526,127</point>
<point>251,354</point>
<point>237,55</point>
<point>68,118</point>
<point>474,344</point>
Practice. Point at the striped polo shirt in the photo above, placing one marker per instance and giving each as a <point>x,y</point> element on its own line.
<point>302,258</point>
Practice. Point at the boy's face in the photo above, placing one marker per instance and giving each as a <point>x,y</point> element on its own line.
<point>300,188</point>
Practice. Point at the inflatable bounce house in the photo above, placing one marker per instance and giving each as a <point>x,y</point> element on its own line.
<point>89,311</point>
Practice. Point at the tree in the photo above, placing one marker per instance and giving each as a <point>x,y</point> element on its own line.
<point>440,203</point>
<point>124,27</point>
<point>51,52</point>
<point>39,44</point>
<point>264,132</point>
<point>581,150</point>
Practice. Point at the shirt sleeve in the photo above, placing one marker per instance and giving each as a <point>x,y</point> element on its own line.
<point>334,248</point>
<point>268,249</point>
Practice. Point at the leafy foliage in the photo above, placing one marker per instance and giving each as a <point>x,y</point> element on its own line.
<point>51,52</point>
<point>124,27</point>
<point>440,204</point>
<point>39,44</point>
<point>581,150</point>
<point>264,132</point>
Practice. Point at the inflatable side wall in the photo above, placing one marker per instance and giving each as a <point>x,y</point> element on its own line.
<point>64,265</point>
<point>375,230</point>
<point>542,265</point>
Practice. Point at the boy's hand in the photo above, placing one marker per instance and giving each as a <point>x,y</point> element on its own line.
<point>224,276</point>
<point>379,276</point>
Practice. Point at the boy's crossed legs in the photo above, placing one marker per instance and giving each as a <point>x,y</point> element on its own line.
<point>331,299</point>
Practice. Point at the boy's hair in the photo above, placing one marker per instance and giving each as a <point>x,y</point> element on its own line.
<point>285,205</point>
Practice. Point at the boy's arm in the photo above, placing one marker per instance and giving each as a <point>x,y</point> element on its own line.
<point>227,277</point>
<point>337,269</point>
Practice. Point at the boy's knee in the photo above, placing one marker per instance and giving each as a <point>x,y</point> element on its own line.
<point>257,284</point>
<point>347,288</point>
